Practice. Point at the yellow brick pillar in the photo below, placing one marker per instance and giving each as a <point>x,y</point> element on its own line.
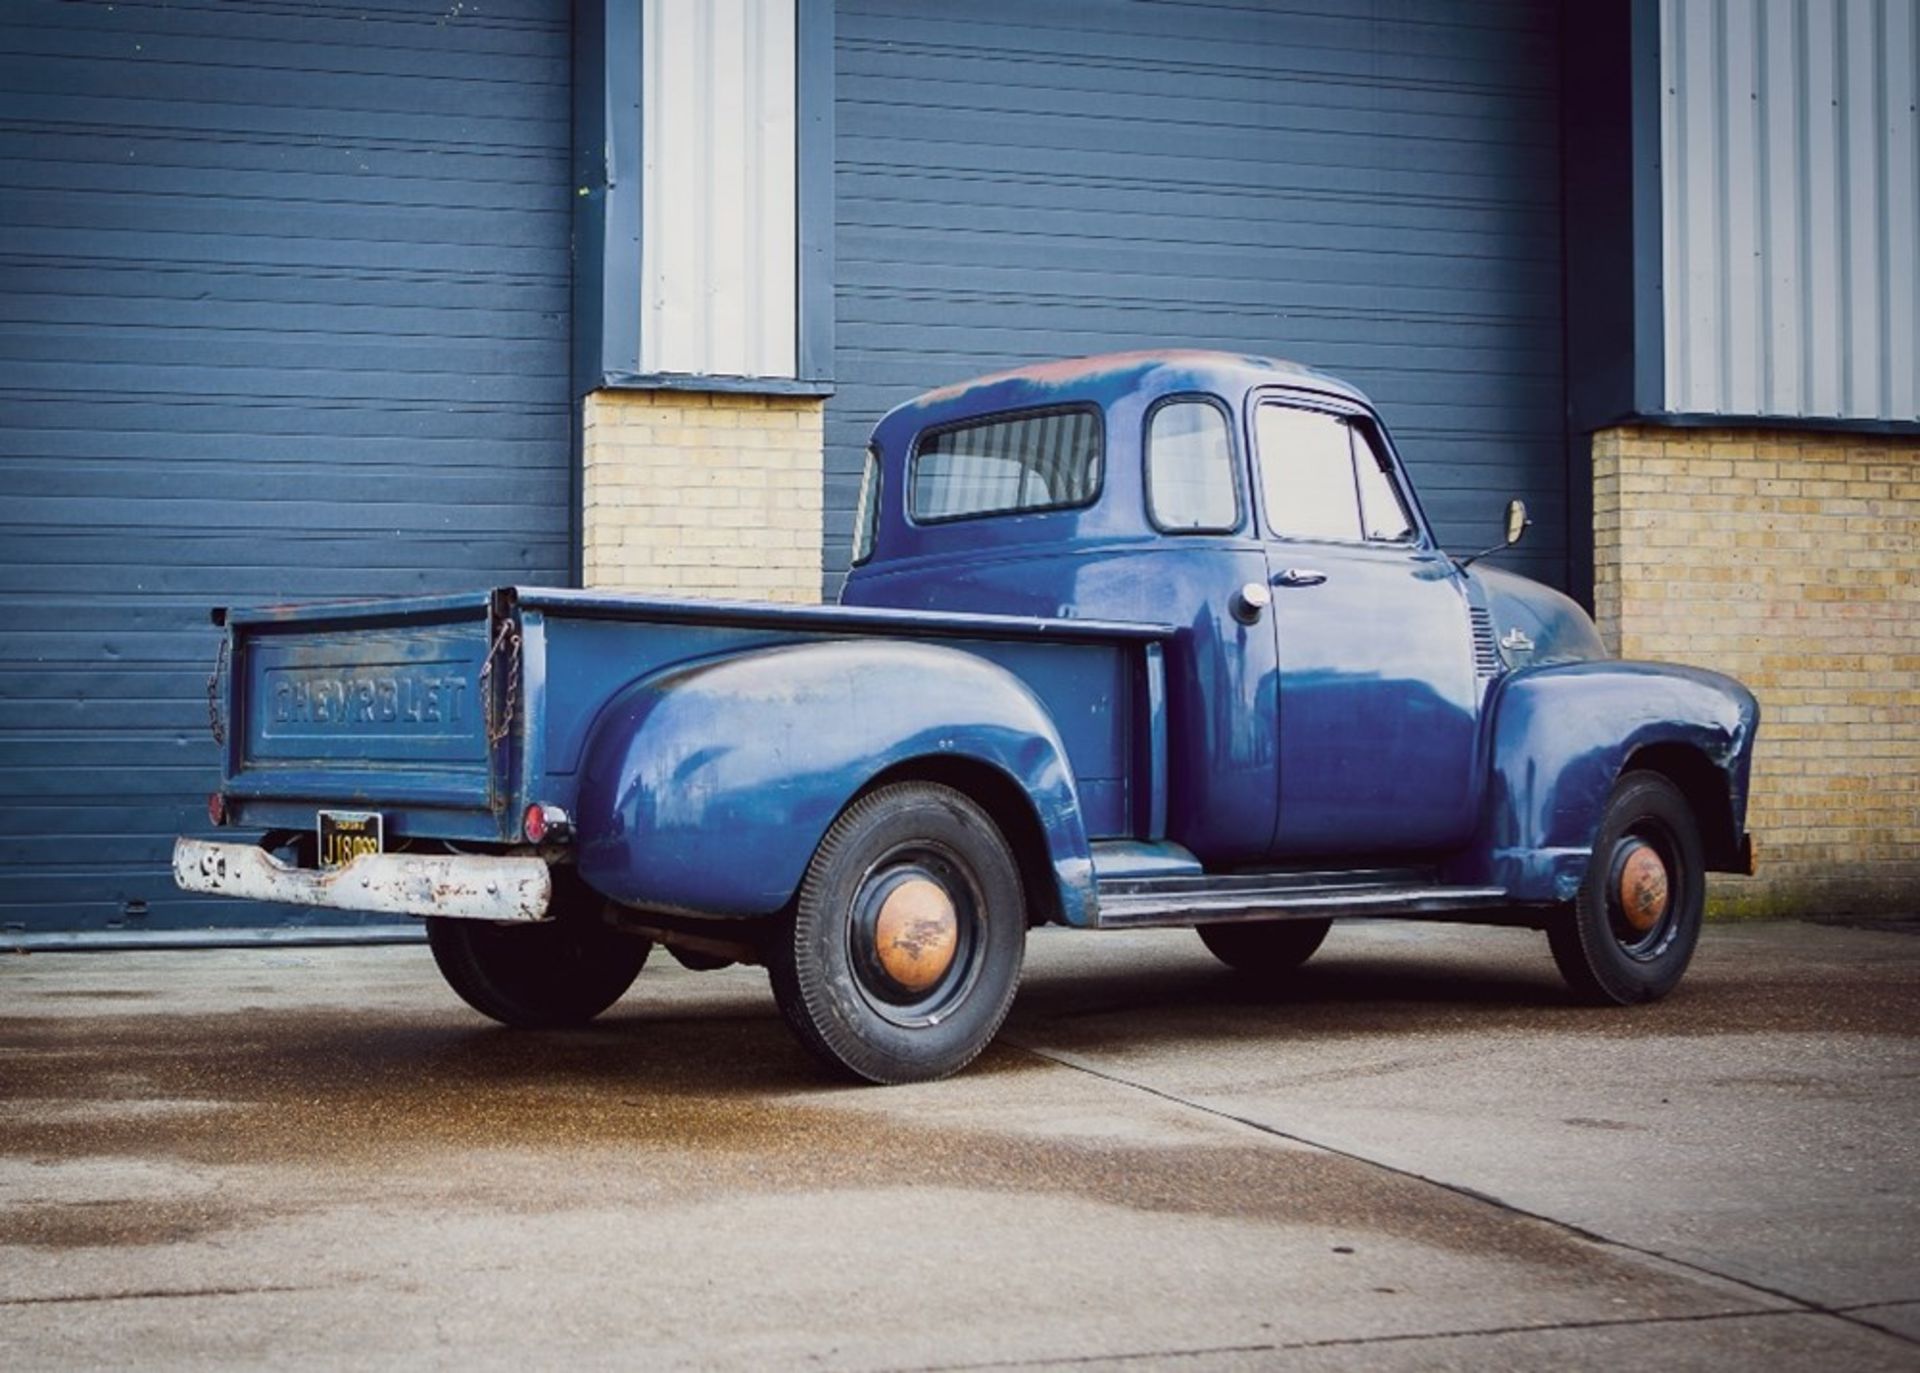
<point>1788,560</point>
<point>690,493</point>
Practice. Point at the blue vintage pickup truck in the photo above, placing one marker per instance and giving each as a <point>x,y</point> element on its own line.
<point>1149,639</point>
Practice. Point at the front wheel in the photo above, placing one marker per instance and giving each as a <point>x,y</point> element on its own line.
<point>904,949</point>
<point>1631,932</point>
<point>557,973</point>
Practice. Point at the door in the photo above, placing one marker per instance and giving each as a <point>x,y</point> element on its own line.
<point>285,318</point>
<point>1378,695</point>
<point>1372,187</point>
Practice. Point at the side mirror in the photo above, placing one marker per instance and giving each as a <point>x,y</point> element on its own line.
<point>1517,521</point>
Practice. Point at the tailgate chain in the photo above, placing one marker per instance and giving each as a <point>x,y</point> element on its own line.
<point>498,727</point>
<point>218,730</point>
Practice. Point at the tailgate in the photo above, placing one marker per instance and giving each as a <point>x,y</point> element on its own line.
<point>374,705</point>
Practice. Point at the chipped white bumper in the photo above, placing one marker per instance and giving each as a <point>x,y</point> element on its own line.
<point>471,887</point>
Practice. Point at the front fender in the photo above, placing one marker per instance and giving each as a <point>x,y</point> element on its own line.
<point>707,787</point>
<point>1562,735</point>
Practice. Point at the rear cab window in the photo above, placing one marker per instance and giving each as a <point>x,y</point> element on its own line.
<point>1017,463</point>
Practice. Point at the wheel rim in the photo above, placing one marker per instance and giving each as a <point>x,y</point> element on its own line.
<point>1644,891</point>
<point>916,934</point>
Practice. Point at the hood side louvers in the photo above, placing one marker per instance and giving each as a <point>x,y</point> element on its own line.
<point>1486,657</point>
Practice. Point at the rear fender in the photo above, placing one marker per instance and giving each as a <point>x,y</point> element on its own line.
<point>1563,735</point>
<point>707,787</point>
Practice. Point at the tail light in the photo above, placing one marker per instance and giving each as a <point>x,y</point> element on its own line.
<point>544,823</point>
<point>217,808</point>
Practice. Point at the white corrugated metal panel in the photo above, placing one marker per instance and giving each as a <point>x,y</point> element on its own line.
<point>719,227</point>
<point>1791,187</point>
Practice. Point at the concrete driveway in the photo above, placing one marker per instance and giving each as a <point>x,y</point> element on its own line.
<point>1415,1155</point>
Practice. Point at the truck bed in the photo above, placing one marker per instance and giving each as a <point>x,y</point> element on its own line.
<point>449,714</point>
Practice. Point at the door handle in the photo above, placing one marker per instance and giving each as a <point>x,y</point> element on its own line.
<point>1299,576</point>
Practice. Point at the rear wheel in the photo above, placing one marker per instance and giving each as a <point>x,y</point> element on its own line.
<point>1265,948</point>
<point>904,950</point>
<point>547,975</point>
<point>1631,932</point>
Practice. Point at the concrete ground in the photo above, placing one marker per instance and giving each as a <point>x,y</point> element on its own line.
<point>1416,1155</point>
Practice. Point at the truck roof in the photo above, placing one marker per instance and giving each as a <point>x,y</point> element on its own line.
<point>1105,377</point>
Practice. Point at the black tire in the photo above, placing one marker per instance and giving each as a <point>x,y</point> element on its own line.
<point>913,842</point>
<point>1264,948</point>
<point>1617,944</point>
<point>554,974</point>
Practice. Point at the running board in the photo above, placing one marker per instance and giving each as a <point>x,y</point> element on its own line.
<point>1149,902</point>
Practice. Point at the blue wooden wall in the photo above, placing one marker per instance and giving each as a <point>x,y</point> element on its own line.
<point>283,295</point>
<point>1370,188</point>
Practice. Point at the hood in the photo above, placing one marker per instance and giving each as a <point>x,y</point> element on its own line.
<point>1533,624</point>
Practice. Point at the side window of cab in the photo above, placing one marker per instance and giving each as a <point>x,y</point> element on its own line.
<point>1193,485</point>
<point>1324,477</point>
<point>866,515</point>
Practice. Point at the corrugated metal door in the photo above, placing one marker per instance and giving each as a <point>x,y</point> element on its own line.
<point>283,296</point>
<point>1370,189</point>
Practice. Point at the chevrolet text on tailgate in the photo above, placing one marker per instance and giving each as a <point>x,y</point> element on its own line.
<point>1151,639</point>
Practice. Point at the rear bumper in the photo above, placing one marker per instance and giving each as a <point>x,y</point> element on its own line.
<point>468,887</point>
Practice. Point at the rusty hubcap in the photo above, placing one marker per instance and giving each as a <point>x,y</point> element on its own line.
<point>1643,889</point>
<point>916,934</point>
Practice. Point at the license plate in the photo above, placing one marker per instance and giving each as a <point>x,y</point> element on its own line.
<point>346,834</point>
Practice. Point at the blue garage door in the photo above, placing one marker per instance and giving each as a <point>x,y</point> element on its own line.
<point>283,293</point>
<point>1372,189</point>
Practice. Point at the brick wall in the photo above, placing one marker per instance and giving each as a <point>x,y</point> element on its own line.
<point>703,494</point>
<point>1787,560</point>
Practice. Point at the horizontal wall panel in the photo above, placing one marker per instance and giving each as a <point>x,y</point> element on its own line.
<point>150,185</point>
<point>1791,208</point>
<point>1510,46</point>
<point>1373,191</point>
<point>283,315</point>
<point>370,258</point>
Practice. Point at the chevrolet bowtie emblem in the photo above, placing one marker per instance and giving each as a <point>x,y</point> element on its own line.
<point>1516,641</point>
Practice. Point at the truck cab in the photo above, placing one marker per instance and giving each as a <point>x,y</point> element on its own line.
<point>1333,667</point>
